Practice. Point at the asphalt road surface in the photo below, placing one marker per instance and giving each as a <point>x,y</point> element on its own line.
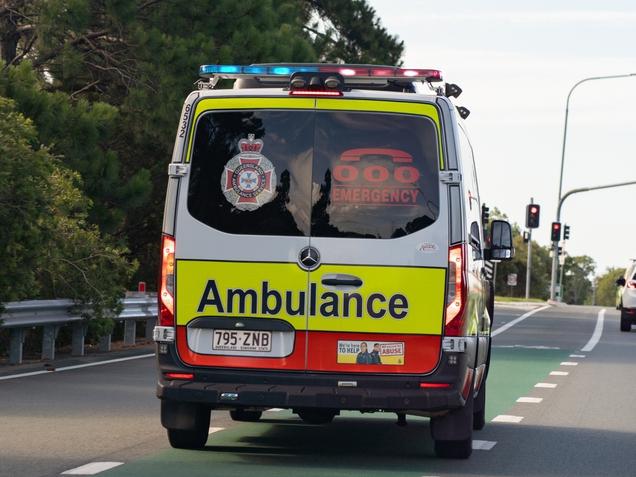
<point>560,403</point>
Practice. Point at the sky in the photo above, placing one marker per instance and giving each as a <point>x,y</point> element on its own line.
<point>516,62</point>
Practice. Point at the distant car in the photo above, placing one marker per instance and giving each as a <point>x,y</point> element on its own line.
<point>626,297</point>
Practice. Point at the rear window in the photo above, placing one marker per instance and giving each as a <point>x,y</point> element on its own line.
<point>319,173</point>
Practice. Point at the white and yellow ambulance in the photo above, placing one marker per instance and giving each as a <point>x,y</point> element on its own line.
<point>323,250</point>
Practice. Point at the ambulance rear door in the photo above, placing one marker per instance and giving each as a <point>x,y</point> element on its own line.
<point>243,218</point>
<point>377,296</point>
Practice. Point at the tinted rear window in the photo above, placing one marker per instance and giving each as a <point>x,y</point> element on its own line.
<point>324,173</point>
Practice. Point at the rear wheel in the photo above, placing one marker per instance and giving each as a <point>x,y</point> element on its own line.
<point>187,424</point>
<point>316,416</point>
<point>479,411</point>
<point>188,439</point>
<point>242,415</point>
<point>453,432</point>
<point>626,322</point>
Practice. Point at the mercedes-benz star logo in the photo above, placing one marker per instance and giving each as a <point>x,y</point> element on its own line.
<point>309,258</point>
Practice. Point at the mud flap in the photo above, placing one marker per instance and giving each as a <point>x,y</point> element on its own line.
<point>183,415</point>
<point>457,425</point>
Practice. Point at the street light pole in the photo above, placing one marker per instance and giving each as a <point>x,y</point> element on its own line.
<point>568,194</point>
<point>555,245</point>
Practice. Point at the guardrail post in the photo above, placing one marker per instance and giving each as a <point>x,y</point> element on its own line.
<point>150,326</point>
<point>16,345</point>
<point>130,330</point>
<point>79,334</point>
<point>104,343</point>
<point>49,335</point>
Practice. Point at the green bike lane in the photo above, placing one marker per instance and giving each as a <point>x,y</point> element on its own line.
<point>355,444</point>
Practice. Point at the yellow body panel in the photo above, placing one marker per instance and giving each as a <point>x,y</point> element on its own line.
<point>404,300</point>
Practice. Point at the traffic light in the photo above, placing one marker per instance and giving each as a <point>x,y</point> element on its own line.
<point>485,214</point>
<point>526,237</point>
<point>532,215</point>
<point>560,251</point>
<point>566,232</point>
<point>556,231</point>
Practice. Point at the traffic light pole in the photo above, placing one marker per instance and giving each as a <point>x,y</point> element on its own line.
<point>529,264</point>
<point>555,244</point>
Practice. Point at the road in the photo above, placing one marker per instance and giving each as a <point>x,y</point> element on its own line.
<point>581,421</point>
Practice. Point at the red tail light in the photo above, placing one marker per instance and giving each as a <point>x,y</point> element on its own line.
<point>183,376</point>
<point>435,385</point>
<point>631,284</point>
<point>166,284</point>
<point>456,292</point>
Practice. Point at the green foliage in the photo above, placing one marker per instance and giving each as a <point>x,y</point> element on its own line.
<point>577,286</point>
<point>109,77</point>
<point>606,289</point>
<point>49,248</point>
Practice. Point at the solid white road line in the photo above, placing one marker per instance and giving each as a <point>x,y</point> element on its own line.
<point>215,429</point>
<point>569,363</point>
<point>507,326</point>
<point>483,445</point>
<point>577,356</point>
<point>530,400</point>
<point>559,373</point>
<point>92,468</point>
<point>545,385</point>
<point>77,366</point>
<point>598,332</point>
<point>506,418</point>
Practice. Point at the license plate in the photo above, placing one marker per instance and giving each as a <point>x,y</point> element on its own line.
<point>242,340</point>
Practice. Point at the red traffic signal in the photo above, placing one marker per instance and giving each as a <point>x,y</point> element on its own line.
<point>556,231</point>
<point>532,215</point>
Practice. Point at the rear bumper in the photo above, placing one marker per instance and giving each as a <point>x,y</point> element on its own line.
<point>235,395</point>
<point>223,388</point>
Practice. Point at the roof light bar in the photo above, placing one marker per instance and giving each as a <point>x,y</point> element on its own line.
<point>385,72</point>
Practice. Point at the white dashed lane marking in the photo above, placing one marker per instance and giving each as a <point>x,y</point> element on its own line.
<point>530,400</point>
<point>545,385</point>
<point>483,445</point>
<point>559,373</point>
<point>215,429</point>
<point>92,468</point>
<point>507,418</point>
<point>569,363</point>
<point>275,409</point>
<point>577,356</point>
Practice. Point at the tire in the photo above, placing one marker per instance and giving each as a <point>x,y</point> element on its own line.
<point>241,415</point>
<point>479,409</point>
<point>626,322</point>
<point>316,416</point>
<point>188,427</point>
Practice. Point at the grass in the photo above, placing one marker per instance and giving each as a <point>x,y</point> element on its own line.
<point>518,299</point>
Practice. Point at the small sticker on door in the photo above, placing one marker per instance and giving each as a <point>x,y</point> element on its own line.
<point>371,352</point>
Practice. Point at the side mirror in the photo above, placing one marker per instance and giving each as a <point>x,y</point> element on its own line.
<point>500,241</point>
<point>620,282</point>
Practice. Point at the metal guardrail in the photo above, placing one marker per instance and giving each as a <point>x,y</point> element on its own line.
<point>18,317</point>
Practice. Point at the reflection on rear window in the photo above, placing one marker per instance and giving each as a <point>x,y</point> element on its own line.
<point>377,175</point>
<point>328,174</point>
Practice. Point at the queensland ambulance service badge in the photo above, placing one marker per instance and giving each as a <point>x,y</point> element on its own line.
<point>249,178</point>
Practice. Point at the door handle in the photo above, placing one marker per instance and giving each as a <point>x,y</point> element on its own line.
<point>339,280</point>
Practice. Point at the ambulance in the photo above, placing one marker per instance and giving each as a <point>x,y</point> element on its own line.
<point>324,250</point>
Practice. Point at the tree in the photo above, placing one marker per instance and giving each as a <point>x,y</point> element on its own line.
<point>350,32</point>
<point>606,286</point>
<point>49,249</point>
<point>577,286</point>
<point>110,78</point>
